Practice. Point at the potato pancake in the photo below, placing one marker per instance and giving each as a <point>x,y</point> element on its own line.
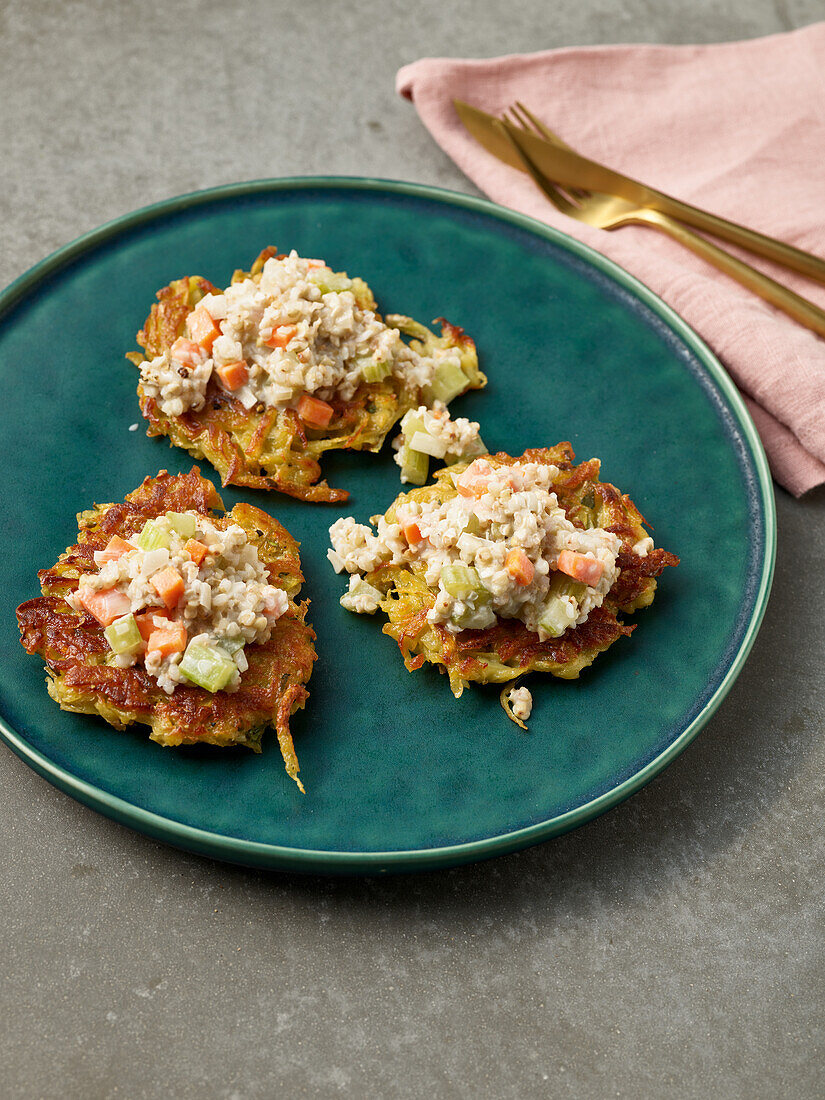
<point>504,566</point>
<point>289,361</point>
<point>124,618</point>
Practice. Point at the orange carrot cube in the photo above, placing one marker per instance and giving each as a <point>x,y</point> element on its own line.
<point>281,335</point>
<point>196,550</point>
<point>116,547</point>
<point>106,606</point>
<point>519,566</point>
<point>474,481</point>
<point>234,374</point>
<point>187,352</point>
<point>168,639</point>
<point>202,328</point>
<point>581,568</point>
<point>168,583</point>
<point>146,622</point>
<point>412,533</point>
<point>314,412</point>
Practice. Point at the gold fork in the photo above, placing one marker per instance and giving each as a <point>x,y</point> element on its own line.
<point>608,212</point>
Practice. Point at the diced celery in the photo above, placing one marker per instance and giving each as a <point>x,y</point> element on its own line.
<point>232,645</point>
<point>474,617</point>
<point>372,371</point>
<point>184,523</point>
<point>473,525</point>
<point>414,466</point>
<point>427,444</point>
<point>448,382</point>
<point>153,536</point>
<point>555,617</point>
<point>411,424</point>
<point>562,585</point>
<point>123,636</point>
<point>462,581</point>
<point>330,281</point>
<point>207,666</point>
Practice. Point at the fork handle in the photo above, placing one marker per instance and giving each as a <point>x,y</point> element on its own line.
<point>803,311</point>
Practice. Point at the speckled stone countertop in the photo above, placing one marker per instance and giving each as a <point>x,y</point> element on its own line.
<point>672,948</point>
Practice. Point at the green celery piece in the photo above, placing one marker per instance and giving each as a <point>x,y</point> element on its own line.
<point>428,444</point>
<point>554,618</point>
<point>462,581</point>
<point>414,466</point>
<point>334,282</point>
<point>374,372</point>
<point>562,585</point>
<point>411,424</point>
<point>448,382</point>
<point>185,524</point>
<point>153,536</point>
<point>207,666</point>
<point>231,645</point>
<point>463,620</point>
<point>123,636</point>
<point>473,526</point>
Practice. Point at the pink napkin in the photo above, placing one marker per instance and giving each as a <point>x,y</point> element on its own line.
<point>737,129</point>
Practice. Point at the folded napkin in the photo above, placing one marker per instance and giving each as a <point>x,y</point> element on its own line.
<point>737,129</point>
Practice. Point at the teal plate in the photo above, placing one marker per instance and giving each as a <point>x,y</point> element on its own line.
<point>399,775</point>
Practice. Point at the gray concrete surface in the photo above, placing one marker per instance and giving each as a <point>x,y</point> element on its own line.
<point>673,948</point>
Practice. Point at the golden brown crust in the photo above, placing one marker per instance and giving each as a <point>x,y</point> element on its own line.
<point>265,448</point>
<point>508,649</point>
<point>75,650</point>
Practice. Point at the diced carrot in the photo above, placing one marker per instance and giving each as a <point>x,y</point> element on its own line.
<point>581,568</point>
<point>519,566</point>
<point>196,551</point>
<point>315,263</point>
<point>234,374</point>
<point>116,547</point>
<point>281,335</point>
<point>475,479</point>
<point>202,328</point>
<point>168,639</point>
<point>412,533</point>
<point>473,486</point>
<point>106,606</point>
<point>168,584</point>
<point>314,412</point>
<point>187,352</point>
<point>146,621</point>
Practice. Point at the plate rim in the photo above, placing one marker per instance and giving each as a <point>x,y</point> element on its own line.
<point>310,860</point>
